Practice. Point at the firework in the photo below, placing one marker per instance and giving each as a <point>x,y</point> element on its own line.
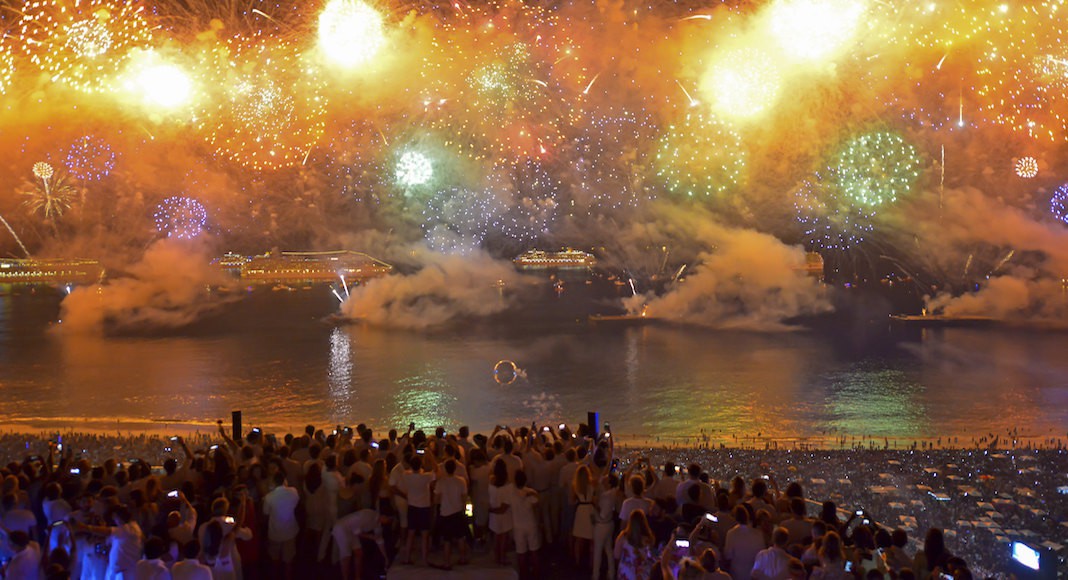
<point>7,66</point>
<point>1058,203</point>
<point>414,169</point>
<point>157,83</point>
<point>81,42</point>
<point>50,193</point>
<point>457,220</point>
<point>700,157</point>
<point>742,84</point>
<point>814,30</point>
<point>350,33</point>
<point>533,204</point>
<point>830,220</point>
<point>180,217</point>
<point>272,110</point>
<point>1026,167</point>
<point>90,159</point>
<point>876,168</point>
<point>609,155</point>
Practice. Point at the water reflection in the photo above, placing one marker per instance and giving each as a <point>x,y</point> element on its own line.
<point>339,374</point>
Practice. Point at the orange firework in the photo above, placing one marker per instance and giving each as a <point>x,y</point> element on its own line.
<point>81,42</point>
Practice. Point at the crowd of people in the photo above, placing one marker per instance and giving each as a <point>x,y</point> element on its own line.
<point>349,504</point>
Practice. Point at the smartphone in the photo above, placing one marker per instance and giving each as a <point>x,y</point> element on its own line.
<point>545,429</point>
<point>562,426</point>
<point>374,444</point>
<point>172,493</point>
<point>711,518</point>
<point>230,520</point>
<point>849,566</point>
<point>859,512</point>
<point>680,543</point>
<point>174,438</point>
<point>765,477</point>
<point>75,471</point>
<point>420,451</point>
<point>255,429</point>
<point>214,447</point>
<point>58,523</point>
<point>59,447</point>
<point>469,510</point>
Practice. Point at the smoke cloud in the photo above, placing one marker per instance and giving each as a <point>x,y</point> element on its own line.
<point>168,288</point>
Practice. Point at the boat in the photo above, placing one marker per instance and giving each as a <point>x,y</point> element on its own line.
<point>314,266</point>
<point>631,319</point>
<point>50,271</point>
<point>942,320</point>
<point>564,259</point>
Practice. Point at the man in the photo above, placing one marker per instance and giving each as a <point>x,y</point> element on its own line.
<point>451,492</point>
<point>742,545</point>
<point>774,563</point>
<point>525,525</point>
<point>26,563</point>
<point>280,509</point>
<point>349,533</point>
<point>190,568</point>
<point>126,542</point>
<point>682,497</point>
<point>153,567</point>
<point>17,518</point>
<point>799,526</point>
<point>182,523</point>
<point>665,487</point>
<point>415,488</point>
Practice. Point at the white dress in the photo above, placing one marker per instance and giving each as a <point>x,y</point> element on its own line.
<point>500,523</point>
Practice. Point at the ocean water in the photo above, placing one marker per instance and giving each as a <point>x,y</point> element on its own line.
<point>273,356</point>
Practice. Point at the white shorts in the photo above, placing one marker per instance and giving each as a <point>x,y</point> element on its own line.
<point>526,540</point>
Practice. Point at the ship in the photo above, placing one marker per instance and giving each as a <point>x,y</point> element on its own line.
<point>566,259</point>
<point>623,319</point>
<point>50,271</point>
<point>813,266</point>
<point>314,266</point>
<point>942,320</point>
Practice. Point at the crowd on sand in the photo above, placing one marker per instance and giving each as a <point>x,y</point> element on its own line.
<point>542,500</point>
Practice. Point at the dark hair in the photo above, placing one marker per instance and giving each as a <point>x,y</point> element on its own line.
<point>694,470</point>
<point>500,473</point>
<point>760,487</point>
<point>793,489</point>
<point>464,431</point>
<point>154,548</point>
<point>19,538</point>
<point>780,536</point>
<point>934,547</point>
<point>450,466</point>
<point>191,550</point>
<point>741,515</point>
<point>797,506</point>
<point>213,536</point>
<point>520,479</point>
<point>314,478</point>
<point>900,537</point>
<point>416,462</point>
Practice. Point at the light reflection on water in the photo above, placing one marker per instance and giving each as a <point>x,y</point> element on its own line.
<point>273,358</point>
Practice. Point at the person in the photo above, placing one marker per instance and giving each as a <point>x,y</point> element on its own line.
<point>774,563</point>
<point>500,515</point>
<point>479,470</point>
<point>280,509</point>
<point>525,531</point>
<point>451,493</point>
<point>741,546</point>
<point>604,525</point>
<point>190,568</point>
<point>637,499</point>
<point>710,562</point>
<point>934,555</point>
<point>798,524</point>
<point>349,533</point>
<point>582,493</point>
<point>682,490</point>
<point>17,518</point>
<point>217,538</point>
<point>181,523</point>
<point>832,559</point>
<point>126,541</point>
<point>415,489</point>
<point>665,487</point>
<point>26,563</point>
<point>829,516</point>
<point>152,566</point>
<point>634,549</point>
<point>897,556</point>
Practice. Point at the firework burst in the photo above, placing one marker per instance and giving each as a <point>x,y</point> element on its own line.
<point>1058,203</point>
<point>180,217</point>
<point>876,168</point>
<point>830,220</point>
<point>49,194</point>
<point>90,159</point>
<point>700,157</point>
<point>82,42</point>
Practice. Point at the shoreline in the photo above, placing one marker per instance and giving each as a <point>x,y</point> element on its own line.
<point>44,426</point>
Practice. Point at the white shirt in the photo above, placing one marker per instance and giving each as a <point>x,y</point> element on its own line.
<point>126,543</point>
<point>20,520</point>
<point>280,506</point>
<point>183,532</point>
<point>664,488</point>
<point>634,504</point>
<point>417,487</point>
<point>451,490</point>
<point>772,564</point>
<point>190,570</point>
<point>26,564</point>
<point>151,570</point>
<point>741,548</point>
<point>522,502</point>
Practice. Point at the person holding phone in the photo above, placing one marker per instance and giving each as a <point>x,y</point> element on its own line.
<point>742,544</point>
<point>774,563</point>
<point>634,549</point>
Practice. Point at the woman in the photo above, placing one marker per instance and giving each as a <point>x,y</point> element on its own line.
<point>604,525</point>
<point>832,559</point>
<point>634,549</point>
<point>582,496</point>
<point>829,516</point>
<point>500,515</point>
<point>933,555</point>
<point>479,471</point>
